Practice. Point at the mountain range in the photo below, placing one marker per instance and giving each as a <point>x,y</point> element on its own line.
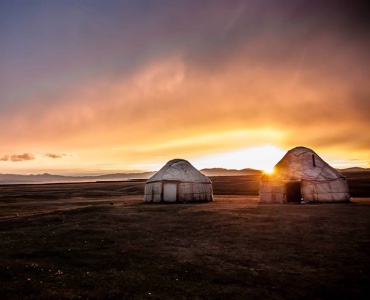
<point>354,169</point>
<point>50,178</point>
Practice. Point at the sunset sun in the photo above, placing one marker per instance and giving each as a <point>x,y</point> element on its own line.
<point>262,157</point>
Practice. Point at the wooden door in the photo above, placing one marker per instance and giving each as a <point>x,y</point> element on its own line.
<point>170,191</point>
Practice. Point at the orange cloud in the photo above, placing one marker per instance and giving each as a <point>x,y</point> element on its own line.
<point>22,157</point>
<point>5,158</point>
<point>52,155</point>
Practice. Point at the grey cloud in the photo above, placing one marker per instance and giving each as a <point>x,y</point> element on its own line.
<point>313,44</point>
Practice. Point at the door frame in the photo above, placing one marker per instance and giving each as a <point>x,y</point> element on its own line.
<point>171,182</point>
<point>292,186</point>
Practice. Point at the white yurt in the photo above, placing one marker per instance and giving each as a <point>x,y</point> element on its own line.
<point>302,176</point>
<point>178,181</point>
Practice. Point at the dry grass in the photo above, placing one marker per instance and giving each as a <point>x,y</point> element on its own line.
<point>117,247</point>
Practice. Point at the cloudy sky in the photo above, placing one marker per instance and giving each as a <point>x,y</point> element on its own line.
<point>90,86</point>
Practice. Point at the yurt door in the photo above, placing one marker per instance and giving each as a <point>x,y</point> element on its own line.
<point>170,191</point>
<point>293,191</point>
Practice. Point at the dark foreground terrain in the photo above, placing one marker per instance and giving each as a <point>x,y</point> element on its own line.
<point>100,241</point>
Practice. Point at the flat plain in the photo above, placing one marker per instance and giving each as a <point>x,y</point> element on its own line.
<point>101,241</point>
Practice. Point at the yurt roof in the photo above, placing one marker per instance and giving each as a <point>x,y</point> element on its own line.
<point>303,163</point>
<point>179,170</point>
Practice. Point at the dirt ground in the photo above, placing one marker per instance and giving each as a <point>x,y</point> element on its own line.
<point>101,241</point>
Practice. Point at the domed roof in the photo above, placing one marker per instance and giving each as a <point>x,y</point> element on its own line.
<point>179,170</point>
<point>304,163</point>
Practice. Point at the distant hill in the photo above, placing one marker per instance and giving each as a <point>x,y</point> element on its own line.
<point>50,178</point>
<point>229,172</point>
<point>354,169</point>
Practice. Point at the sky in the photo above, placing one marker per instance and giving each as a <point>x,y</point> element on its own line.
<point>95,87</point>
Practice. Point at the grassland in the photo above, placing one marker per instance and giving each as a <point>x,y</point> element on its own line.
<point>100,241</point>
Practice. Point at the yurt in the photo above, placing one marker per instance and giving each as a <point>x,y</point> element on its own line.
<point>302,176</point>
<point>178,181</point>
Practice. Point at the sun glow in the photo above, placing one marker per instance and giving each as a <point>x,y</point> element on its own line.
<point>268,171</point>
<point>260,158</point>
